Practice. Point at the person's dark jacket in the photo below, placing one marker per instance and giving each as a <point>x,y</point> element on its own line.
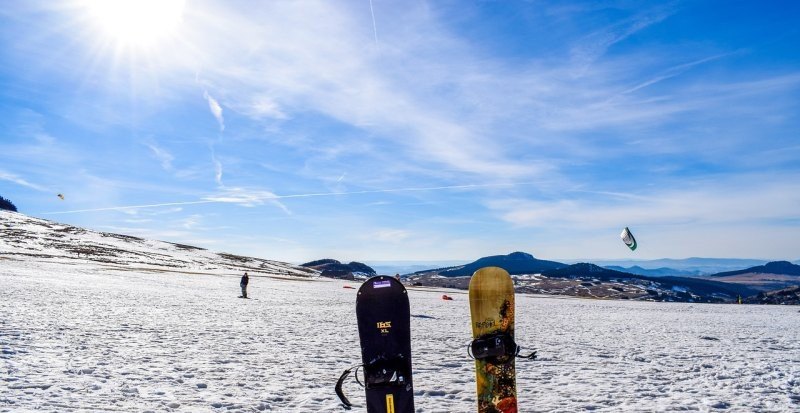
<point>245,280</point>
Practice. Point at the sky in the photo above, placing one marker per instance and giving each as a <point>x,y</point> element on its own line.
<point>409,130</point>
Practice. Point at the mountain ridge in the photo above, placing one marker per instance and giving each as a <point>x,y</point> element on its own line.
<point>34,239</point>
<point>332,268</point>
<point>701,265</point>
<point>515,263</point>
<point>654,272</point>
<point>698,286</point>
<point>773,267</point>
<point>25,237</point>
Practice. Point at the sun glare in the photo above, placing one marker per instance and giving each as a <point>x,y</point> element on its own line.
<point>137,23</point>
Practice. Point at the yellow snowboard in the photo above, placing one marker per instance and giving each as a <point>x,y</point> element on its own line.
<point>491,304</point>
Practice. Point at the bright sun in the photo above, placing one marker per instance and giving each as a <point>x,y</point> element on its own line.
<point>136,23</point>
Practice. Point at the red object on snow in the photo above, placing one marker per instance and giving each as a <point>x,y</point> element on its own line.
<point>447,297</point>
<point>347,286</point>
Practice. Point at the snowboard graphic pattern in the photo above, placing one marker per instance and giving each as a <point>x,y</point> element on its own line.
<point>491,299</point>
<point>384,321</point>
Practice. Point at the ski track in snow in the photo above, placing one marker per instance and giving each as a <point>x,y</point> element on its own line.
<point>77,338</point>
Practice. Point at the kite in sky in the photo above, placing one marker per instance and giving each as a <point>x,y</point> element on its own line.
<point>628,239</point>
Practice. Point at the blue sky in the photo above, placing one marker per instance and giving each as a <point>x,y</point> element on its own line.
<point>298,130</point>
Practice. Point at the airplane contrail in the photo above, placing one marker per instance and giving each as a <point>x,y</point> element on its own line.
<point>374,26</point>
<point>232,199</point>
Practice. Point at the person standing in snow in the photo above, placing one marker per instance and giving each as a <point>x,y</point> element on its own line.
<point>243,284</point>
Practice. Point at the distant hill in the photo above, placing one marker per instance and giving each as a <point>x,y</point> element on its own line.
<point>408,267</point>
<point>775,267</point>
<point>26,238</point>
<point>334,269</point>
<point>771,276</point>
<point>515,263</point>
<point>701,287</point>
<point>700,265</point>
<point>786,296</point>
<point>584,269</point>
<point>636,282</point>
<point>592,281</point>
<point>655,272</point>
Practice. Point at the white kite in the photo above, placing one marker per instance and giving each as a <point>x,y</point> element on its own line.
<point>628,239</point>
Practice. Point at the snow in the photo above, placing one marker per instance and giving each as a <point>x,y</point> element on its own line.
<point>101,322</point>
<point>80,336</point>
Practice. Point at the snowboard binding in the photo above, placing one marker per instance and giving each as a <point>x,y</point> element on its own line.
<point>380,372</point>
<point>497,348</point>
<point>383,372</point>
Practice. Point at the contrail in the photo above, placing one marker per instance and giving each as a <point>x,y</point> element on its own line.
<point>374,26</point>
<point>129,207</point>
<point>232,200</point>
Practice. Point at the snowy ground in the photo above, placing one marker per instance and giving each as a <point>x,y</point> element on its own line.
<point>82,338</point>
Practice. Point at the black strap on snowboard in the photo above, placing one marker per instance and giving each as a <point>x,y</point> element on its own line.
<point>386,372</point>
<point>339,383</point>
<point>497,348</point>
<point>380,372</point>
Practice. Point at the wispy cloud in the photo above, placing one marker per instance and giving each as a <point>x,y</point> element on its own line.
<point>391,235</point>
<point>474,115</point>
<point>217,170</point>
<point>191,221</point>
<point>164,157</point>
<point>248,198</point>
<point>5,176</point>
<point>251,198</point>
<point>356,87</point>
<point>262,106</point>
<point>673,71</point>
<point>611,100</point>
<point>215,109</point>
<point>594,45</point>
<point>734,201</point>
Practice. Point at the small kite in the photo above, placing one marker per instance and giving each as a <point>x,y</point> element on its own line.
<point>61,196</point>
<point>628,239</point>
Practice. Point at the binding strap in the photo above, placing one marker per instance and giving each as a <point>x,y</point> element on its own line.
<point>385,372</point>
<point>379,372</point>
<point>345,402</point>
<point>496,348</point>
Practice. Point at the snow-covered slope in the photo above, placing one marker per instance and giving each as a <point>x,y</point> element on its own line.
<point>113,330</point>
<point>26,237</point>
<point>81,338</point>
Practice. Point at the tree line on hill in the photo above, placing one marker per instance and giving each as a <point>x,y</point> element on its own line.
<point>7,205</point>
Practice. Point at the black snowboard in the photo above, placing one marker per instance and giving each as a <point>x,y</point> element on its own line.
<point>384,329</point>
